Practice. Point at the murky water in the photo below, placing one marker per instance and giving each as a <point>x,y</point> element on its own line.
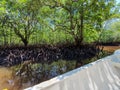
<point>25,75</point>
<point>28,74</point>
<point>7,80</point>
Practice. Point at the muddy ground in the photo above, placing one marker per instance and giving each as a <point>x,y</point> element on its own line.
<point>46,54</point>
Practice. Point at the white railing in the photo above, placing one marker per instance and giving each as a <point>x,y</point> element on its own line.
<point>103,74</point>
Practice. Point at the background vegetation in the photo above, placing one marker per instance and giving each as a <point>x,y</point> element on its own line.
<point>24,22</point>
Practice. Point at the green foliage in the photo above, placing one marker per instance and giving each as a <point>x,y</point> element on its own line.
<point>113,34</point>
<point>55,21</point>
<point>90,34</point>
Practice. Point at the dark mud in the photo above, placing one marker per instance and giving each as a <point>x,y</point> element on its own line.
<point>10,56</point>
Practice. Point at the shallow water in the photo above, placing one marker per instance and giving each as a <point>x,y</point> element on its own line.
<point>28,74</point>
<point>20,76</point>
<point>7,80</point>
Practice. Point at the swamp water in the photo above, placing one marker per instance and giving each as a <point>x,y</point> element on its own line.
<point>26,75</point>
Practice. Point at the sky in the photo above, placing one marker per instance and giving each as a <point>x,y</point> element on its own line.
<point>118,1</point>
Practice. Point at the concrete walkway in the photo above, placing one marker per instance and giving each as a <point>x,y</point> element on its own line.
<point>103,74</point>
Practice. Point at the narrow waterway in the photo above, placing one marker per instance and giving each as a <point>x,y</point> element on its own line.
<point>23,76</point>
<point>28,74</point>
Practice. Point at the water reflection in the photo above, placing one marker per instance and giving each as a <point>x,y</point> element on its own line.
<point>37,72</point>
<point>8,80</point>
<point>28,74</point>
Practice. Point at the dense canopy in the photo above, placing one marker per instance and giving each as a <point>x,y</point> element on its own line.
<point>55,21</point>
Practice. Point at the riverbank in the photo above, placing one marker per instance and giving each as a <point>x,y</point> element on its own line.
<point>46,54</point>
<point>110,48</point>
<point>27,74</point>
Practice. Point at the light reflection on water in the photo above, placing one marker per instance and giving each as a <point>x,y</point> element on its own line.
<point>20,76</point>
<point>26,75</point>
<point>7,80</point>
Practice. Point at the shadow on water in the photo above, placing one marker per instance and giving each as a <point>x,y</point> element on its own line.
<point>28,74</point>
